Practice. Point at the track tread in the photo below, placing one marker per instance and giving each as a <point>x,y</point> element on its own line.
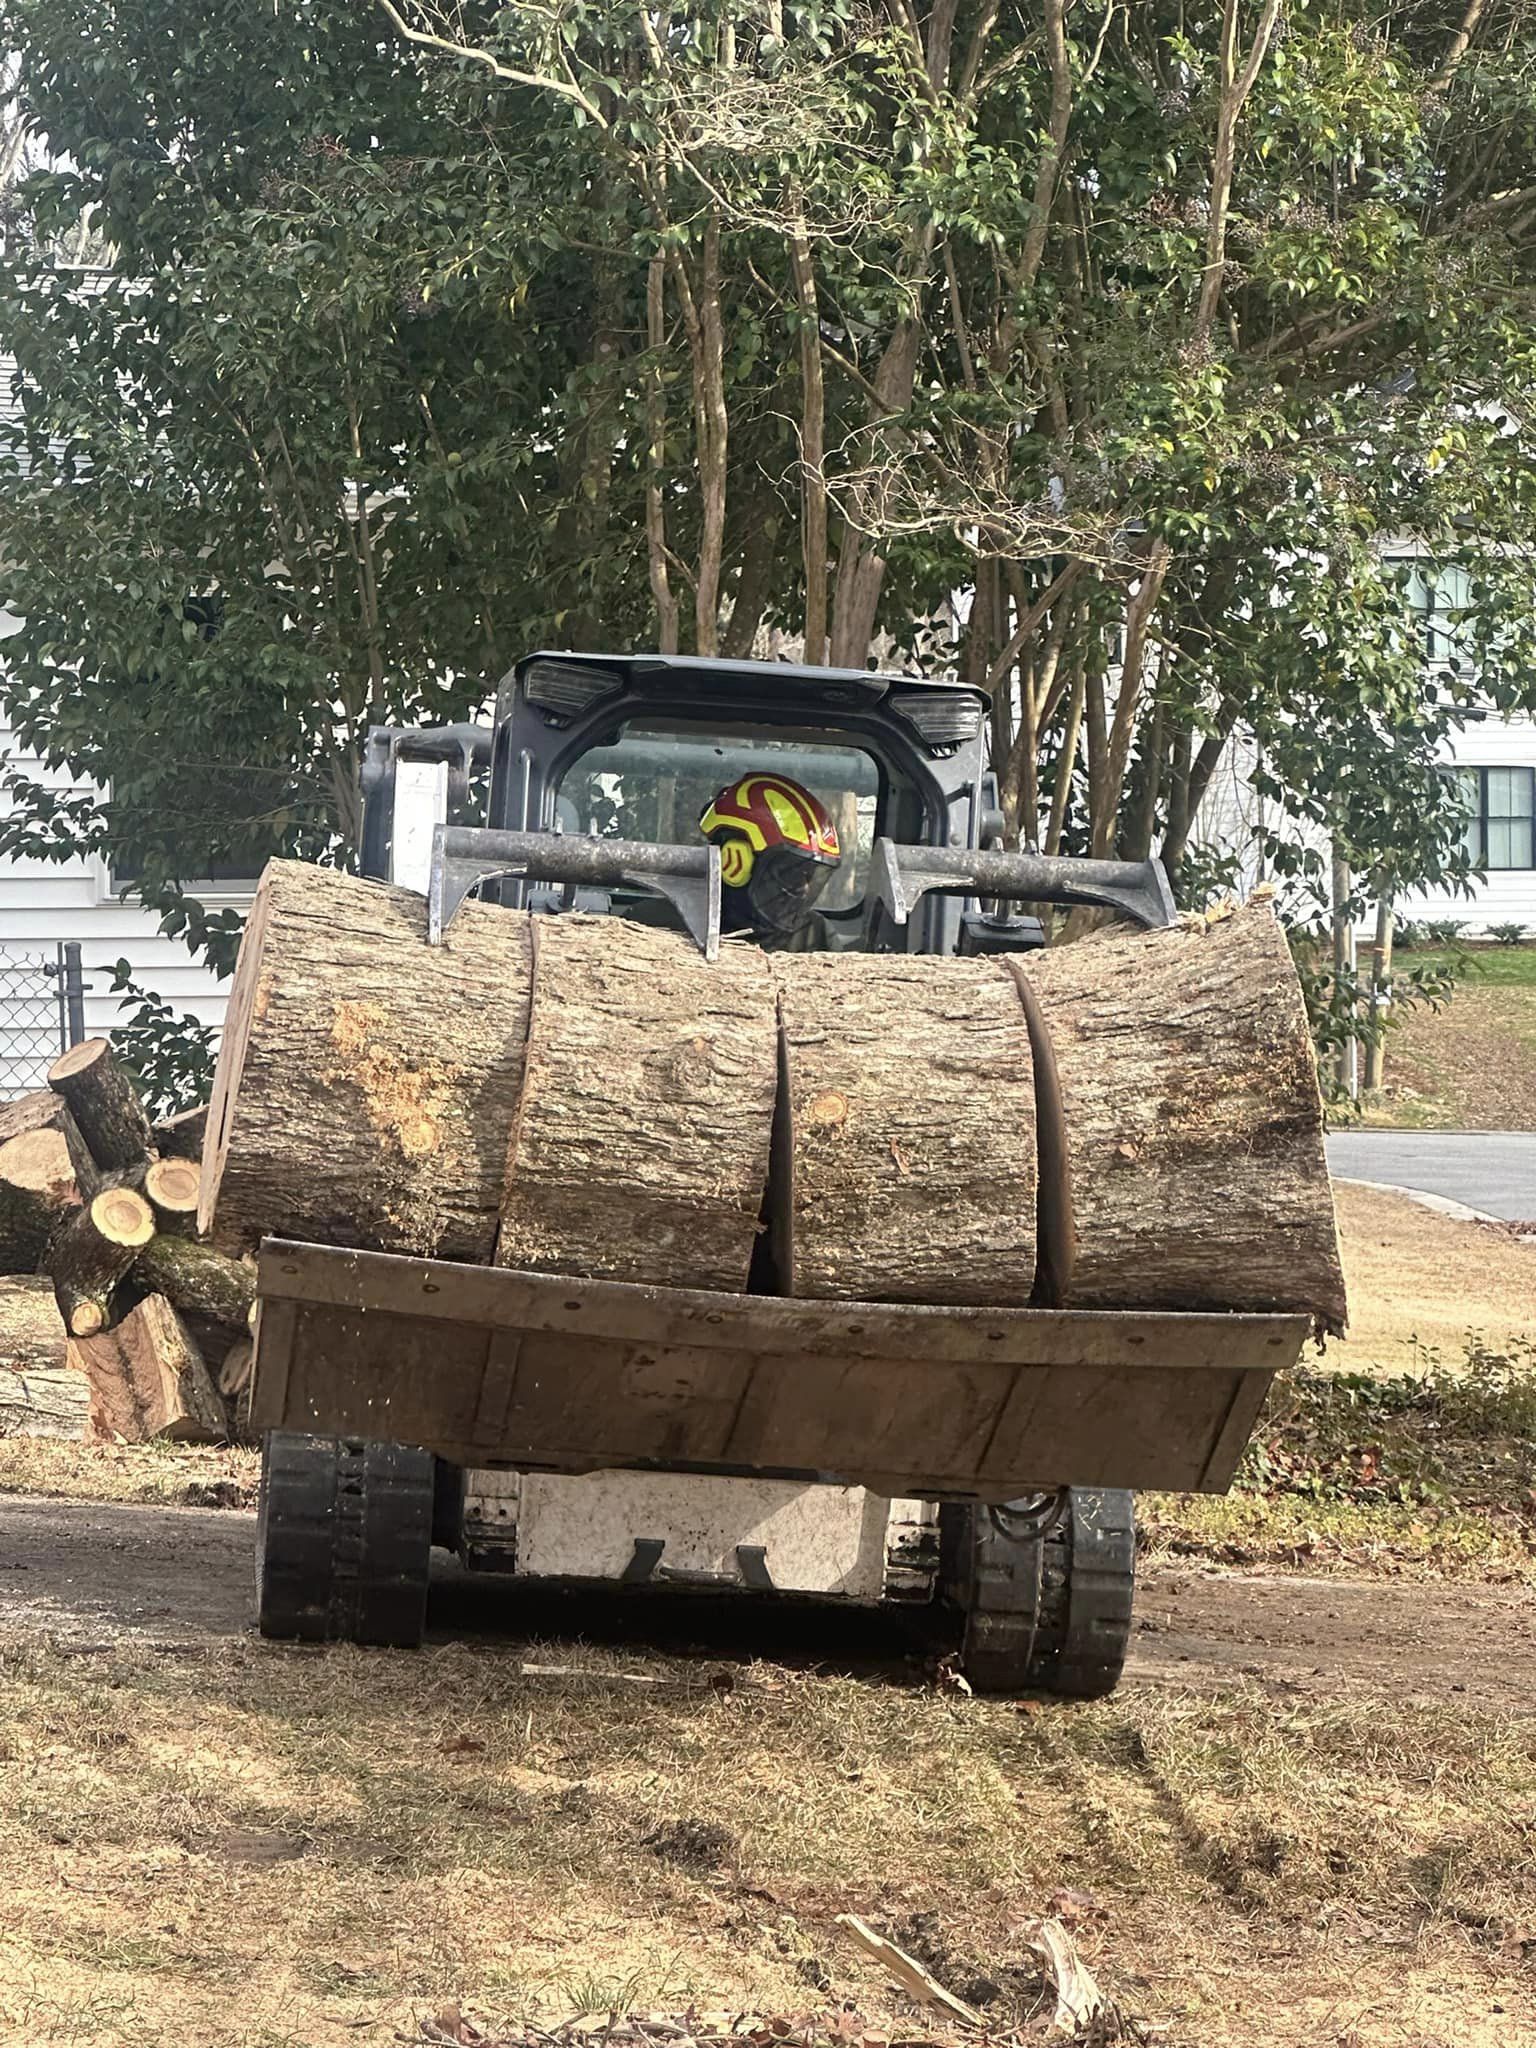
<point>344,1539</point>
<point>1051,1613</point>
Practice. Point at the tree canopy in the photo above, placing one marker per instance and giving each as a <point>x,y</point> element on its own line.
<point>1092,350</point>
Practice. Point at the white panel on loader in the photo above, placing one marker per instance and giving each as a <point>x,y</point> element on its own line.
<point>421,802</point>
<point>817,1539</point>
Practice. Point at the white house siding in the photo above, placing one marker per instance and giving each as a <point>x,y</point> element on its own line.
<point>1508,895</point>
<point>44,904</point>
<point>1233,810</point>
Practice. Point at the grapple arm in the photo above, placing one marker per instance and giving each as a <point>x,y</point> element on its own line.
<point>463,856</point>
<point>1137,889</point>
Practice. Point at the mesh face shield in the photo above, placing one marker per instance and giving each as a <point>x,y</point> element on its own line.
<point>783,887</point>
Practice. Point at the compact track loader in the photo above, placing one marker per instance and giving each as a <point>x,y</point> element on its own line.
<point>977,1463</point>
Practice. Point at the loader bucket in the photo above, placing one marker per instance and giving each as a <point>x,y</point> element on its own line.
<point>488,1366</point>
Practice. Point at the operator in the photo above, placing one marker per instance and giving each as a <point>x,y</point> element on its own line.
<point>778,850</point>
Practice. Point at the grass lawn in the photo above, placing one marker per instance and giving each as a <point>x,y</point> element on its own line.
<point>228,1844</point>
<point>1472,1065</point>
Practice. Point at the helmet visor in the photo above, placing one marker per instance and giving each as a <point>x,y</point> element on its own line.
<point>784,886</point>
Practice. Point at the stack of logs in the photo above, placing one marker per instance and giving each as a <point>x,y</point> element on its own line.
<point>1131,1121</point>
<point>116,1322</point>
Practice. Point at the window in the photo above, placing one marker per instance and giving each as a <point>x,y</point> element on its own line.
<point>655,781</point>
<point>1438,597</point>
<point>1501,831</point>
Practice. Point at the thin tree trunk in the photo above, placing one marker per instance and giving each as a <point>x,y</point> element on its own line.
<point>1066,762</point>
<point>662,594</point>
<point>813,439</point>
<point>1381,984</point>
<point>1346,1061</point>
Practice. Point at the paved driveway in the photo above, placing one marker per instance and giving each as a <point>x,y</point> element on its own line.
<point>1490,1170</point>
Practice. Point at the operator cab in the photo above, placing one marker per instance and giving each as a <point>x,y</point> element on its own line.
<point>633,747</point>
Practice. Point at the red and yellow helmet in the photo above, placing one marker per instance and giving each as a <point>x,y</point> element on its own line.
<point>760,813</point>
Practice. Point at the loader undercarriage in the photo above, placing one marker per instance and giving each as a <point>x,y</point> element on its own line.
<point>1033,1597</point>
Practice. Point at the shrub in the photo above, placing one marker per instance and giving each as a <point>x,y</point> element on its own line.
<point>1507,934</point>
<point>1444,931</point>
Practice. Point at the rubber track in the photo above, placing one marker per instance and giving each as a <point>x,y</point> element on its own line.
<point>343,1540</point>
<point>1053,1614</point>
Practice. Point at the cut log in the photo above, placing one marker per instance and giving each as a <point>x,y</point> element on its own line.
<point>44,1170</point>
<point>640,1148</point>
<point>366,1081</point>
<point>912,1100</point>
<point>93,1251</point>
<point>173,1187</point>
<point>235,1372</point>
<point>181,1136</point>
<point>148,1379</point>
<point>103,1103</point>
<point>1193,1121</point>
<point>198,1279</point>
<point>41,1392</point>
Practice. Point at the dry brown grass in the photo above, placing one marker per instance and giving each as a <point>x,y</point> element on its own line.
<point>262,1846</point>
<point>1418,1280</point>
<point>1469,1067</point>
<point>179,1475</point>
<point>235,1845</point>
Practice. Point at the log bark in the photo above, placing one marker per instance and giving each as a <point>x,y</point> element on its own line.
<point>148,1379</point>
<point>912,1095</point>
<point>181,1136</point>
<point>198,1279</point>
<point>1193,1121</point>
<point>640,1147</point>
<point>92,1252</point>
<point>104,1104</point>
<point>366,1081</point>
<point>44,1168</point>
<point>41,1392</point>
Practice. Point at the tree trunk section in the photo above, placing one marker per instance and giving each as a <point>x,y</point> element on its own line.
<point>198,1279</point>
<point>640,1149</point>
<point>181,1136</point>
<point>148,1379</point>
<point>366,1081</point>
<point>1193,1122</point>
<point>103,1103</point>
<point>912,1095</point>
<point>41,1392</point>
<point>91,1254</point>
<point>44,1170</point>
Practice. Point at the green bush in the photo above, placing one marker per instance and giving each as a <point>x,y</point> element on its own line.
<point>1507,934</point>
<point>1443,931</point>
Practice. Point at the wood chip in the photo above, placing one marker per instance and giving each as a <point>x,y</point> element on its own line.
<point>904,1970</point>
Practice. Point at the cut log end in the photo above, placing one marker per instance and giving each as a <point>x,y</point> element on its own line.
<point>123,1217</point>
<point>104,1104</point>
<point>79,1059</point>
<point>173,1185</point>
<point>87,1319</point>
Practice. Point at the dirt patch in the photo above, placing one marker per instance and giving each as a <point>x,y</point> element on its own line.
<point>695,1845</point>
<point>1417,1279</point>
<point>90,1578</point>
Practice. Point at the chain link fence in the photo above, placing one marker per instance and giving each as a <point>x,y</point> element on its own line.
<point>41,1014</point>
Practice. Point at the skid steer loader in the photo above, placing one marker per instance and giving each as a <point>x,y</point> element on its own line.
<point>976,1463</point>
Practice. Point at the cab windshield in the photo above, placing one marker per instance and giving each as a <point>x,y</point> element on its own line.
<point>655,782</point>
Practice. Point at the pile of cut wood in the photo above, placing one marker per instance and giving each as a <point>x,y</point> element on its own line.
<point>1131,1122</point>
<point>116,1321</point>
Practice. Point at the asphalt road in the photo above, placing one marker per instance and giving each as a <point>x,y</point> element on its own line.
<point>1494,1171</point>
